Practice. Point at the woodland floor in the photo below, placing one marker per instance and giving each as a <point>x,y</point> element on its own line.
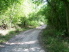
<point>26,41</point>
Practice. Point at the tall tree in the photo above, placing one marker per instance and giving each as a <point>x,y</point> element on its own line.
<point>66,3</point>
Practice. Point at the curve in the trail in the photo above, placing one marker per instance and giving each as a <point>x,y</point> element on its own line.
<point>24,42</point>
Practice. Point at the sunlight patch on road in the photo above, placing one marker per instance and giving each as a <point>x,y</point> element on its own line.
<point>2,45</point>
<point>4,32</point>
<point>30,42</point>
<point>41,27</point>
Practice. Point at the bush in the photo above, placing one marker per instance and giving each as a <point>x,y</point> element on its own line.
<point>53,41</point>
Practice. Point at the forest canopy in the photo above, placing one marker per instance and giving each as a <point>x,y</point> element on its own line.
<point>20,13</point>
<point>25,13</point>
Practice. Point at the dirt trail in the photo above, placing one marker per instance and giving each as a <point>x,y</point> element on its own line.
<point>24,42</point>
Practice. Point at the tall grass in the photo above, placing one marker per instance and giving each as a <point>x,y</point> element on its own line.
<point>53,41</point>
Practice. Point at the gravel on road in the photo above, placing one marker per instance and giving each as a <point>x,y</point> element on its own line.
<point>26,41</point>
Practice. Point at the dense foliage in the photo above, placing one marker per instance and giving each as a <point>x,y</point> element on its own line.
<point>57,13</point>
<point>55,37</point>
<point>21,13</point>
<point>32,13</point>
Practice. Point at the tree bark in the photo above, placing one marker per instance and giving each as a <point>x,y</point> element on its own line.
<point>67,16</point>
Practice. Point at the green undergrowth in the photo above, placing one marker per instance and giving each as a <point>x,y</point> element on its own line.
<point>11,34</point>
<point>53,41</point>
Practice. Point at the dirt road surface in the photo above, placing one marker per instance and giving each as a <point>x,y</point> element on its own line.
<point>26,41</point>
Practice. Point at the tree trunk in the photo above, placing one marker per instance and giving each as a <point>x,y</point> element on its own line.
<point>54,10</point>
<point>67,16</point>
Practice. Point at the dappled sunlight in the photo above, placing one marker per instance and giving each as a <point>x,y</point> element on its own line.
<point>29,50</point>
<point>41,27</point>
<point>24,42</point>
<point>25,46</point>
<point>29,42</point>
<point>20,14</point>
<point>4,32</point>
<point>2,45</point>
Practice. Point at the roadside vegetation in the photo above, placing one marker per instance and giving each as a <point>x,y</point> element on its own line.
<point>10,34</point>
<point>54,41</point>
<point>22,14</point>
<point>19,15</point>
<point>56,36</point>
